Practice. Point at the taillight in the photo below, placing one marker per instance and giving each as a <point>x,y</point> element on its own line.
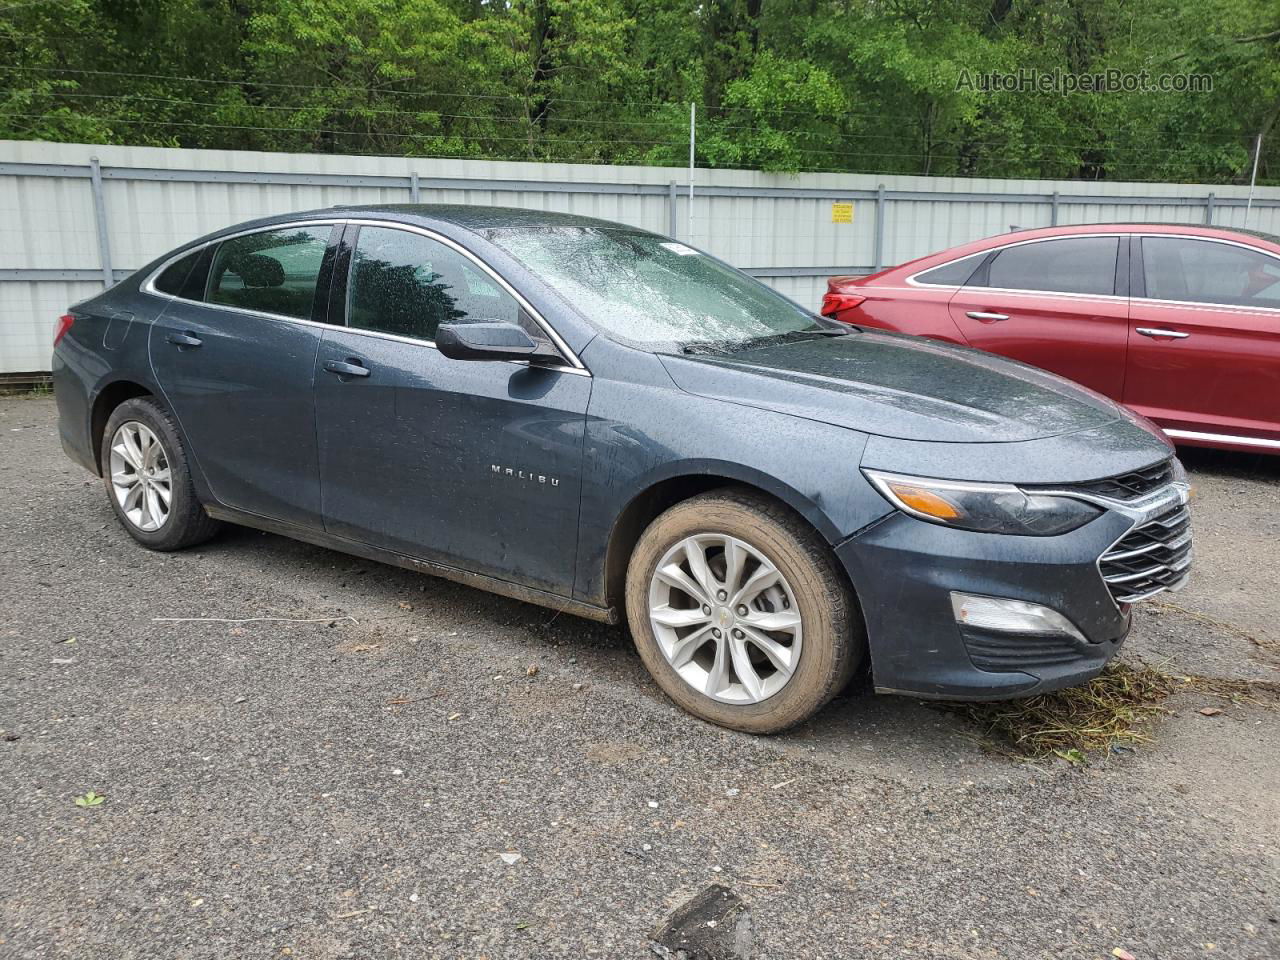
<point>833,303</point>
<point>64,324</point>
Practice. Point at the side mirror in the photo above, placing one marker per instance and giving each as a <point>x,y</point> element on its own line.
<point>486,340</point>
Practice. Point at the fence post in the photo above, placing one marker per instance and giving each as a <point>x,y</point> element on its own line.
<point>1053,211</point>
<point>671,209</point>
<point>1208,210</point>
<point>100,217</point>
<point>879,237</point>
<point>413,187</point>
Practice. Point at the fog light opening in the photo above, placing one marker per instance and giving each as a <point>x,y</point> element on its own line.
<point>1011,616</point>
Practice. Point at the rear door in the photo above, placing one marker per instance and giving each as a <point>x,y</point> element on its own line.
<point>1204,339</point>
<point>1060,304</point>
<point>235,355</point>
<point>473,464</point>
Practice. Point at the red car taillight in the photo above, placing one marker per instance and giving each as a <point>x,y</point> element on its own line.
<point>64,324</point>
<point>833,303</point>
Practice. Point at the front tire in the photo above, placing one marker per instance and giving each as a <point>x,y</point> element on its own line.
<point>740,613</point>
<point>144,467</point>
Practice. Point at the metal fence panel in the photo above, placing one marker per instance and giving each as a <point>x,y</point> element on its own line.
<point>75,214</point>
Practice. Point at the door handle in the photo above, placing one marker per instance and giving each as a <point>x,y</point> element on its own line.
<point>1157,332</point>
<point>181,340</point>
<point>986,317</point>
<point>351,367</point>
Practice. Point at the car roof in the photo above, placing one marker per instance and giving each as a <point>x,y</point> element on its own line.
<point>1147,226</point>
<point>894,273</point>
<point>472,217</point>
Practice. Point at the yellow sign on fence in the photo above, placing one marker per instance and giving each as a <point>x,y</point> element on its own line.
<point>842,213</point>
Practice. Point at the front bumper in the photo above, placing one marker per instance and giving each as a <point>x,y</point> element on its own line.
<point>905,570</point>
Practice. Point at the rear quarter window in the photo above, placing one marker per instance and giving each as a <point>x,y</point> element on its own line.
<point>186,277</point>
<point>953,274</point>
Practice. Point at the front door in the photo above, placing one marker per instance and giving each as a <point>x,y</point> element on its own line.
<point>1204,340</point>
<point>474,464</point>
<point>236,368</point>
<point>1053,304</point>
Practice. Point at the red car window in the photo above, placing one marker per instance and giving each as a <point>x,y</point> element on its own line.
<point>1070,265</point>
<point>1205,271</point>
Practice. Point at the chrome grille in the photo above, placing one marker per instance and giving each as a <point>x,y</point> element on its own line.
<point>1152,557</point>
<point>1130,486</point>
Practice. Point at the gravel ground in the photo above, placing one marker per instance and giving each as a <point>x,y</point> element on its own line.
<point>355,786</point>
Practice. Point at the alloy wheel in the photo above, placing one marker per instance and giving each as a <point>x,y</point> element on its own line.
<point>725,618</point>
<point>140,476</point>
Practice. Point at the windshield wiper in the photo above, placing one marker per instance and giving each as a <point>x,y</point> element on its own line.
<point>713,346</point>
<point>793,336</point>
<point>764,340</point>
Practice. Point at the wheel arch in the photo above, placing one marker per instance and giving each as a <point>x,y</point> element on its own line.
<point>108,397</point>
<point>662,493</point>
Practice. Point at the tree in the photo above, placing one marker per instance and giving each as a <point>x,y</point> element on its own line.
<point>781,85</point>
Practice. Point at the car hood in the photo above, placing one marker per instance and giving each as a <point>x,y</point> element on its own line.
<point>897,386</point>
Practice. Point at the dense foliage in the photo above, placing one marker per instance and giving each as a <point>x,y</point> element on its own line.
<point>853,85</point>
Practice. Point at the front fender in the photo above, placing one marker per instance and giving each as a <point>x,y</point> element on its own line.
<point>640,435</point>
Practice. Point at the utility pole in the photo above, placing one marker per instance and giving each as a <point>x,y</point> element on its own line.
<point>1257,151</point>
<point>693,121</point>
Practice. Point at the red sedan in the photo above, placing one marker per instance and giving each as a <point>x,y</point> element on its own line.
<point>1181,323</point>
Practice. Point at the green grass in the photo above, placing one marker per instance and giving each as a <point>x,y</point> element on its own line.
<point>26,387</point>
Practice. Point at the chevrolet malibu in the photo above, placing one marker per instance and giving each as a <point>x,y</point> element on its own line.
<point>601,420</point>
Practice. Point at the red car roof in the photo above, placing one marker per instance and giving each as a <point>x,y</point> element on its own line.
<point>1266,241</point>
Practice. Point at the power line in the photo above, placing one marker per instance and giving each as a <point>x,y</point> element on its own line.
<point>324,130</point>
<point>331,87</point>
<point>716,127</point>
<point>538,144</point>
<point>878,116</point>
<point>552,143</point>
<point>337,108</point>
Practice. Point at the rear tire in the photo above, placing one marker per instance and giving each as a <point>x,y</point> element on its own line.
<point>761,661</point>
<point>144,467</point>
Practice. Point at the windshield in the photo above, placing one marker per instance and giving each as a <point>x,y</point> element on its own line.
<point>650,291</point>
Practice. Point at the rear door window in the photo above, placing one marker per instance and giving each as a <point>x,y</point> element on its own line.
<point>407,284</point>
<point>1206,271</point>
<point>274,271</point>
<point>1069,265</point>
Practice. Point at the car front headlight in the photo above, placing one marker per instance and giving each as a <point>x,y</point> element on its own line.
<point>984,507</point>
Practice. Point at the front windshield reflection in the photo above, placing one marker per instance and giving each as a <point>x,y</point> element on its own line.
<point>651,291</point>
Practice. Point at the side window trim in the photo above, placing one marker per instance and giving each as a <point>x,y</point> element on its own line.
<point>338,318</point>
<point>981,276</point>
<point>338,306</point>
<point>1137,270</point>
<point>206,262</point>
<point>1120,286</point>
<point>569,358</point>
<point>320,306</point>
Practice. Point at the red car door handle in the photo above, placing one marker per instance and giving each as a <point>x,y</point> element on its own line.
<point>1157,332</point>
<point>986,317</point>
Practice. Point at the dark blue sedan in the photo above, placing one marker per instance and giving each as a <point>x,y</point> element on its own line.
<point>605,421</point>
